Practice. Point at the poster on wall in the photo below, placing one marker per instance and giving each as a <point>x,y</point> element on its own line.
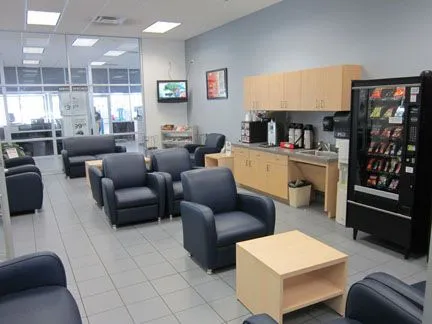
<point>75,102</point>
<point>217,84</point>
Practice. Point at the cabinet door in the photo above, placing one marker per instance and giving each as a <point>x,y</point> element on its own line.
<point>241,167</point>
<point>292,90</point>
<point>248,103</point>
<point>261,92</point>
<point>331,88</point>
<point>276,92</point>
<point>277,180</point>
<point>311,89</point>
<point>258,177</point>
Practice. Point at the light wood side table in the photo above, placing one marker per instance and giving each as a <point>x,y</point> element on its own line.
<point>88,164</point>
<point>219,160</point>
<point>281,273</point>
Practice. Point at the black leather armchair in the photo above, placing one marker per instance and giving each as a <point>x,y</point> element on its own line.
<point>33,290</point>
<point>171,163</point>
<point>24,187</point>
<point>378,298</point>
<point>215,217</point>
<point>213,144</point>
<point>78,149</point>
<point>19,161</point>
<point>130,193</point>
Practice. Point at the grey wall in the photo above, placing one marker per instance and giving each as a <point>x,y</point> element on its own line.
<point>388,37</point>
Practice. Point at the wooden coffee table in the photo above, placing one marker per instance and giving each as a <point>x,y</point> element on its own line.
<point>219,160</point>
<point>282,273</point>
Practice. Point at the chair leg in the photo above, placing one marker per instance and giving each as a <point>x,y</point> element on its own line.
<point>209,271</point>
<point>189,255</point>
<point>114,227</point>
<point>159,219</point>
<point>171,217</point>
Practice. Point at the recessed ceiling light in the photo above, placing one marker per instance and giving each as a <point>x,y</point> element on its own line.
<point>161,27</point>
<point>42,18</point>
<point>30,62</point>
<point>114,53</point>
<point>85,42</point>
<point>33,50</point>
<point>97,63</point>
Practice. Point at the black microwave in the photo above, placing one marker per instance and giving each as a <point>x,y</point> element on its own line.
<point>253,132</point>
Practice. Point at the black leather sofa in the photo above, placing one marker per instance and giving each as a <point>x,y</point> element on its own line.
<point>213,144</point>
<point>78,149</point>
<point>171,163</point>
<point>24,185</point>
<point>378,298</point>
<point>215,217</point>
<point>130,193</point>
<point>33,290</point>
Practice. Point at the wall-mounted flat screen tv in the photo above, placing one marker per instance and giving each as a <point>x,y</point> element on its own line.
<point>172,91</point>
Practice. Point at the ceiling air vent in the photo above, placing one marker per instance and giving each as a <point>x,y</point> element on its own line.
<point>107,20</point>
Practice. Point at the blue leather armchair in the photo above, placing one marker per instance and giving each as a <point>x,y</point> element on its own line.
<point>215,217</point>
<point>378,298</point>
<point>213,144</point>
<point>130,193</point>
<point>171,163</point>
<point>24,185</point>
<point>33,290</point>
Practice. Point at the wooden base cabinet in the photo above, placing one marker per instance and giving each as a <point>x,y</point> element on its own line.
<point>265,172</point>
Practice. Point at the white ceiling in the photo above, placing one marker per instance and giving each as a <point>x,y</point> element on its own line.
<point>196,16</point>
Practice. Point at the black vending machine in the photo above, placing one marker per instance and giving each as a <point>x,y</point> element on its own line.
<point>390,171</point>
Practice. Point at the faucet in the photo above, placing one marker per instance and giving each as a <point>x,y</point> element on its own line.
<point>324,146</point>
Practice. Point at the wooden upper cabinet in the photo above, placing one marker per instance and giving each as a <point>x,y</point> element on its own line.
<point>320,89</point>
<point>329,88</point>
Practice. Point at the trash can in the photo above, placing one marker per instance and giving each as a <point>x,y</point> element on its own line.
<point>299,193</point>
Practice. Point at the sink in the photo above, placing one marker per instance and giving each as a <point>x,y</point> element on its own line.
<point>326,154</point>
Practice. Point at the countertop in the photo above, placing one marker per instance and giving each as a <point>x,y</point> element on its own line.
<point>289,152</point>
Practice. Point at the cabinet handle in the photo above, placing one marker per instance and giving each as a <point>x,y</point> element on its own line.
<point>267,167</point>
<point>316,104</point>
<point>322,104</point>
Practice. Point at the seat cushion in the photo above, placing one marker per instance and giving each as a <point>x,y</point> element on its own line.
<point>178,190</point>
<point>44,305</point>
<point>78,160</point>
<point>237,226</point>
<point>102,156</point>
<point>135,197</point>
<point>421,286</point>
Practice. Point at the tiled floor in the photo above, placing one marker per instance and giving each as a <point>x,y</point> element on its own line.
<point>141,274</point>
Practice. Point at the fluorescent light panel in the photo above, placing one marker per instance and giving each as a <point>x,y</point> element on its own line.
<point>96,63</point>
<point>46,18</point>
<point>85,42</point>
<point>161,27</point>
<point>33,50</point>
<point>31,62</point>
<point>114,53</point>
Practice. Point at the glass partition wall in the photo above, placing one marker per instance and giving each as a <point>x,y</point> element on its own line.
<point>54,86</point>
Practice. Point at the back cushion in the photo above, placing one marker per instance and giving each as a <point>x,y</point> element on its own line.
<point>212,187</point>
<point>89,145</point>
<point>126,170</point>
<point>215,140</point>
<point>173,161</point>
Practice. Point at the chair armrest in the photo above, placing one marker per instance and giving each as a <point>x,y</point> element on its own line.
<point>31,271</point>
<point>412,294</point>
<point>156,182</point>
<point>192,147</point>
<point>65,158</point>
<point>22,160</point>
<point>22,169</point>
<point>110,203</point>
<point>169,191</point>
<point>260,319</point>
<point>120,149</point>
<point>95,177</point>
<point>199,229</point>
<point>260,207</point>
<point>200,152</point>
<point>25,191</point>
<point>370,301</point>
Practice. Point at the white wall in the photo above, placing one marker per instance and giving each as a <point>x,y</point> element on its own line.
<point>162,60</point>
<point>388,37</point>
